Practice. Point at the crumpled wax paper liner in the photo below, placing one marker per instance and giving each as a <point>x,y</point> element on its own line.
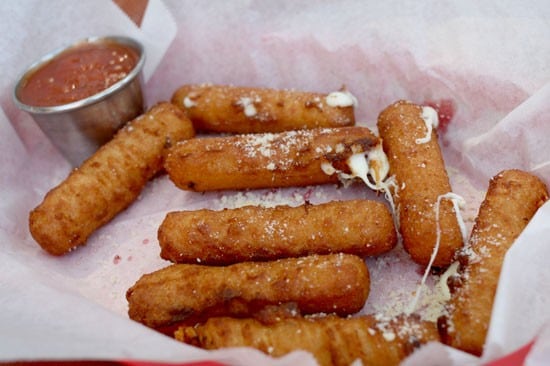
<point>482,65</point>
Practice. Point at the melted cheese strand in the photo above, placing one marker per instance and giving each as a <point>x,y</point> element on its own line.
<point>457,201</point>
<point>375,164</point>
<point>386,188</point>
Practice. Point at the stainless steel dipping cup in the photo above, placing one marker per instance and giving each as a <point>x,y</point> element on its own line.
<point>79,128</point>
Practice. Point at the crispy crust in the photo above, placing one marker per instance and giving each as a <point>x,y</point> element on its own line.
<point>284,159</point>
<point>109,181</point>
<point>332,340</point>
<point>189,293</point>
<point>421,178</point>
<point>223,108</point>
<point>363,228</point>
<point>512,199</point>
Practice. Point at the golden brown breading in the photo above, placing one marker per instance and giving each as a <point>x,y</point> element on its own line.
<point>512,199</point>
<point>223,108</point>
<point>421,178</point>
<point>332,340</point>
<point>189,293</point>
<point>292,158</point>
<point>362,227</point>
<point>109,181</point>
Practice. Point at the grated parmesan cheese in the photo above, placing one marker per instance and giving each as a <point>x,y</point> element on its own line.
<point>188,102</point>
<point>247,103</point>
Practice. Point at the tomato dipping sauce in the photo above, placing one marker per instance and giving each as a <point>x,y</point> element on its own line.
<point>78,73</point>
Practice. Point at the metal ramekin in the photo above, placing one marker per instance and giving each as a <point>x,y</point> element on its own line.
<point>79,128</point>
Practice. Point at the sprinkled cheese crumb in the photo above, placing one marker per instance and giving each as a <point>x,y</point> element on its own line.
<point>261,198</point>
<point>282,147</point>
<point>315,103</point>
<point>247,104</point>
<point>327,168</point>
<point>188,103</point>
<point>389,336</point>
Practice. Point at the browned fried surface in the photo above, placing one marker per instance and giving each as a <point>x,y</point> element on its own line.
<point>108,181</point>
<point>336,283</point>
<point>223,108</point>
<point>359,227</point>
<point>332,340</point>
<point>512,199</point>
<point>421,178</point>
<point>284,159</point>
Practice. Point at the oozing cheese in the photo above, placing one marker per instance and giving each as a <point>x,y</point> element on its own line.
<point>431,120</point>
<point>341,99</point>
<point>442,283</point>
<point>374,164</point>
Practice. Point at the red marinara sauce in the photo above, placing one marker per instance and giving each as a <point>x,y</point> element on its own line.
<point>77,73</point>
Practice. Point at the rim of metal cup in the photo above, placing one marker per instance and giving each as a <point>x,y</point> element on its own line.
<point>127,41</point>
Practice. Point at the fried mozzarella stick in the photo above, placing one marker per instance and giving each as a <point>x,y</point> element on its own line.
<point>109,181</point>
<point>512,199</point>
<point>292,158</point>
<point>252,233</point>
<point>422,192</point>
<point>187,293</point>
<point>223,108</point>
<point>332,340</point>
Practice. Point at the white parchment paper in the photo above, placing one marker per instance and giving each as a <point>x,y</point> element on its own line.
<point>484,65</point>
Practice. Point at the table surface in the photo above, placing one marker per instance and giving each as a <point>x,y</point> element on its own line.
<point>133,8</point>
